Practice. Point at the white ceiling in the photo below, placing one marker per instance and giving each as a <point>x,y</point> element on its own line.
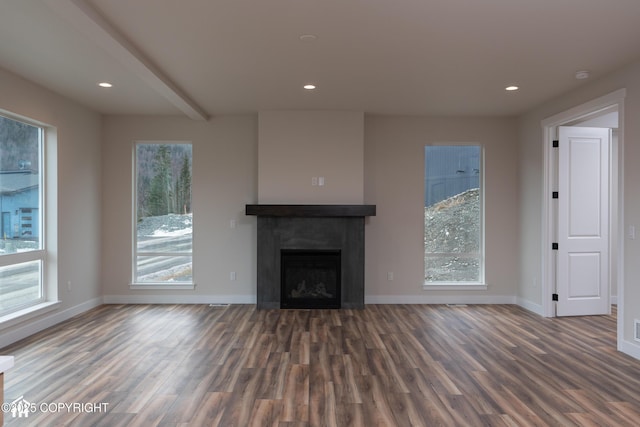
<point>419,57</point>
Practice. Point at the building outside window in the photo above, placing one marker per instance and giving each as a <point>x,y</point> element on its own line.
<point>453,215</point>
<point>22,254</point>
<point>163,218</point>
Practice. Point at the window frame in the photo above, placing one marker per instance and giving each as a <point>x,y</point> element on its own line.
<point>480,284</point>
<point>39,254</point>
<point>157,285</point>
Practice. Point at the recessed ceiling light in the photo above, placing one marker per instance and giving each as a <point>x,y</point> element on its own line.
<point>511,88</point>
<point>105,84</point>
<point>308,37</point>
<point>581,75</point>
<point>309,87</point>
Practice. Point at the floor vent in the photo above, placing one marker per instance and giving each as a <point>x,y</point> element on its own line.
<point>218,305</point>
<point>456,305</point>
<point>636,330</point>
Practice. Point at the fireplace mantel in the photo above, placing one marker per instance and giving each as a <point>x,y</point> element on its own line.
<point>311,211</point>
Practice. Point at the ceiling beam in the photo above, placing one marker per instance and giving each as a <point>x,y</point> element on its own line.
<point>95,26</point>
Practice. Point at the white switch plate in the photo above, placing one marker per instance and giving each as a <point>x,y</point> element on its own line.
<point>314,180</point>
<point>232,275</point>
<point>321,181</point>
<point>632,232</point>
<point>390,275</point>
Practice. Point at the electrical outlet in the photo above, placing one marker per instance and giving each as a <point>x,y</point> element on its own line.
<point>69,286</point>
<point>232,276</point>
<point>390,275</point>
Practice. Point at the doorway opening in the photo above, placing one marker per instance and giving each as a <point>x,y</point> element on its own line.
<point>589,114</point>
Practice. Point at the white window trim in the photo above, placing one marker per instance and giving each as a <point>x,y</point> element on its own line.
<point>161,286</point>
<point>22,257</point>
<point>16,317</point>
<point>454,286</point>
<point>48,300</point>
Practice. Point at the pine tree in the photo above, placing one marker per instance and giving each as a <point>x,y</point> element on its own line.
<point>183,187</point>
<point>161,194</point>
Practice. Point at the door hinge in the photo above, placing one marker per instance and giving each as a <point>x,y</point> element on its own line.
<point>554,195</point>
<point>556,143</point>
<point>554,297</point>
<point>554,246</point>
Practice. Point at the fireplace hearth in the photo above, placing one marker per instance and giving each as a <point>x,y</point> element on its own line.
<point>305,230</point>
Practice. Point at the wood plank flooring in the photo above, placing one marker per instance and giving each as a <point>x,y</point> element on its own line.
<point>386,365</point>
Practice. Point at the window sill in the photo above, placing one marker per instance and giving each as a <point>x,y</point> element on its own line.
<point>16,317</point>
<point>454,287</point>
<point>161,286</point>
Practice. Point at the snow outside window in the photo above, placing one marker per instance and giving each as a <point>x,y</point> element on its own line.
<point>453,215</point>
<point>163,217</point>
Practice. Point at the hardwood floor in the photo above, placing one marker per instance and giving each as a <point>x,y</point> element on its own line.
<point>386,365</point>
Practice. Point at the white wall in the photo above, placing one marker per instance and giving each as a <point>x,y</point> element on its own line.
<point>295,146</point>
<point>531,176</point>
<point>224,181</point>
<point>77,207</point>
<point>394,181</point>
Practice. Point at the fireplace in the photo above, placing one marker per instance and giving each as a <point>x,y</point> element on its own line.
<point>310,278</point>
<point>309,231</point>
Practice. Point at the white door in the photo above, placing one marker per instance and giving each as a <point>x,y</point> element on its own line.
<point>583,221</point>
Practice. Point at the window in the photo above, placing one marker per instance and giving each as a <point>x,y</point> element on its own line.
<point>22,252</point>
<point>163,216</point>
<point>453,215</point>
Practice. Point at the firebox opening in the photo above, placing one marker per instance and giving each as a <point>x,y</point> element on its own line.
<point>310,278</point>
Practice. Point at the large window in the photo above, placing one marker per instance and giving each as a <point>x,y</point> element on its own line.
<point>22,252</point>
<point>453,215</point>
<point>163,215</point>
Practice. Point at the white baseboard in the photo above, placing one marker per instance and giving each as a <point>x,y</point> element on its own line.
<point>432,299</point>
<point>179,299</point>
<point>630,348</point>
<point>531,306</point>
<point>19,332</point>
<point>251,299</point>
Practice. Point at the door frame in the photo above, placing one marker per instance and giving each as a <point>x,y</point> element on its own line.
<point>613,99</point>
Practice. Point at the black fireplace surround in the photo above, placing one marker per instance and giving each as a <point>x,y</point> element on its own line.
<point>306,229</point>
